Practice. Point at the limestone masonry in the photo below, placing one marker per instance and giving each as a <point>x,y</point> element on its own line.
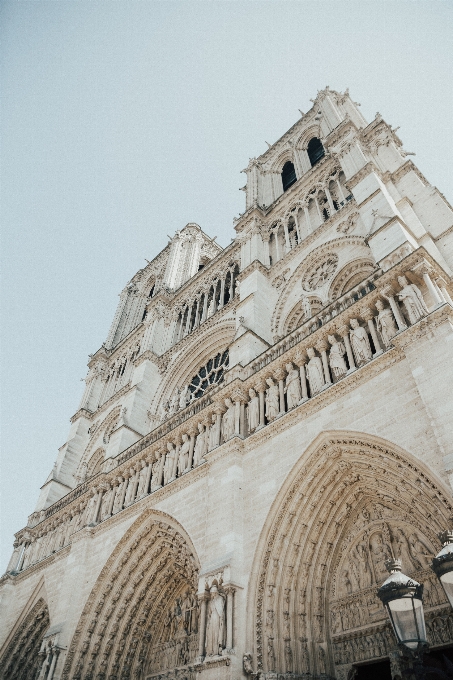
<point>264,425</point>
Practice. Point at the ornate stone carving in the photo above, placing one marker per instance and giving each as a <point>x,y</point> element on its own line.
<point>318,275</point>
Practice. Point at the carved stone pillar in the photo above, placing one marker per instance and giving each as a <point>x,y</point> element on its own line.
<point>288,245</point>
<point>443,289</point>
<point>197,309</point>
<point>424,271</point>
<point>205,307</point>
<point>55,653</point>
<point>300,360</point>
<point>261,389</point>
<point>389,293</point>
<point>222,291</point>
<point>123,492</point>
<point>149,471</point>
<point>343,330</point>
<point>280,376</point>
<point>203,598</point>
<point>229,590</point>
<point>218,424</point>
<point>322,346</point>
<point>367,315</point>
<point>239,399</point>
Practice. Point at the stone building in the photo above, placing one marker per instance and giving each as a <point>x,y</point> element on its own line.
<point>264,425</point>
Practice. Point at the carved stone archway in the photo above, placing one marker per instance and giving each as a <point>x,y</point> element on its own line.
<point>21,660</point>
<point>141,616</point>
<point>351,501</point>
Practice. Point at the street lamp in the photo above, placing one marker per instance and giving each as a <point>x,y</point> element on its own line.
<point>403,599</point>
<point>442,564</point>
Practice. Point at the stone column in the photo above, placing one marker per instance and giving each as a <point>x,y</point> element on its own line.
<point>265,237</point>
<point>343,330</point>
<point>202,627</point>
<point>368,316</point>
<point>191,434</point>
<point>280,376</point>
<point>443,288</point>
<point>197,309</point>
<point>55,652</point>
<point>205,307</point>
<point>261,388</point>
<point>229,590</point>
<point>123,492</point>
<point>389,293</point>
<point>300,359</point>
<point>148,476</point>
<point>431,287</point>
<point>307,220</point>
<point>189,316</point>
<point>329,200</point>
<point>288,245</point>
<point>22,550</point>
<point>322,346</point>
<point>296,222</point>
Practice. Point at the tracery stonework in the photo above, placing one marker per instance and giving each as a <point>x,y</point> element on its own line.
<point>263,426</point>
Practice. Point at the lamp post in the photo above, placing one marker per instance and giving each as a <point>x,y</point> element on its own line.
<point>403,600</point>
<point>442,564</point>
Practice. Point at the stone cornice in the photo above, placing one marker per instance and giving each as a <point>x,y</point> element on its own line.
<point>256,265</point>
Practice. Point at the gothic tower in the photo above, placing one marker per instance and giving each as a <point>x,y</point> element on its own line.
<point>265,425</point>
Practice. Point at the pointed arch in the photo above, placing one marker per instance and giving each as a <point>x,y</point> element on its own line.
<point>128,623</point>
<point>350,500</point>
<point>20,659</point>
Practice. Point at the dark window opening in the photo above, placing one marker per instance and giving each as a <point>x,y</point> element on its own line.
<point>151,292</point>
<point>325,214</point>
<point>288,175</point>
<point>315,150</point>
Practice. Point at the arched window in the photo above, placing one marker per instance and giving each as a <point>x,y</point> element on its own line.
<point>315,150</point>
<point>288,175</point>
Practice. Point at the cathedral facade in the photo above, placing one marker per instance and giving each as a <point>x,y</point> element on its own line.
<point>263,427</point>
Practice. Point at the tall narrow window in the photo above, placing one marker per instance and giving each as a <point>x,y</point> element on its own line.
<point>288,175</point>
<point>315,150</point>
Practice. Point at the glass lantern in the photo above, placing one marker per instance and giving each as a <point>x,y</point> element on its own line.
<point>403,599</point>
<point>442,564</point>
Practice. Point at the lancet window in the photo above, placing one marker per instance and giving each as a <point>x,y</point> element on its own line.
<point>288,175</point>
<point>315,150</point>
<point>206,303</point>
<point>208,375</point>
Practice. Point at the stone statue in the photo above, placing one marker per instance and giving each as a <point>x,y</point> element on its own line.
<point>184,397</point>
<point>306,307</point>
<point>412,299</point>
<point>211,309</point>
<point>336,360</point>
<point>200,445</point>
<point>385,323</point>
<point>292,386</point>
<point>169,462</point>
<point>402,551</point>
<point>272,400</point>
<point>247,664</point>
<point>174,403</point>
<point>117,501</point>
<point>190,612</point>
<point>183,461</point>
<point>228,421</point>
<point>163,411</point>
<point>215,628</point>
<point>214,433</point>
<point>315,374</point>
<point>253,410</point>
<point>142,479</point>
<point>360,343</point>
<point>380,552</point>
<point>155,481</point>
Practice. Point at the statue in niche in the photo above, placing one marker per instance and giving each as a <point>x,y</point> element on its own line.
<point>173,403</point>
<point>183,461</point>
<point>228,420</point>
<point>190,612</point>
<point>215,628</point>
<point>288,656</point>
<point>347,585</point>
<point>184,397</point>
<point>270,654</point>
<point>360,553</point>
<point>292,386</point>
<point>336,358</point>
<point>402,550</point>
<point>272,400</point>
<point>420,551</point>
<point>315,374</point>
<point>169,462</point>
<point>163,411</point>
<point>412,299</point>
<point>253,410</point>
<point>211,309</point>
<point>155,476</point>
<point>306,307</point>
<point>214,433</point>
<point>117,501</point>
<point>200,445</point>
<point>360,343</point>
<point>141,491</point>
<point>380,552</point>
<point>385,323</point>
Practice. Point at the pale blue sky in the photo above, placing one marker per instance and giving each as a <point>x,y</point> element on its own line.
<point>122,121</point>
